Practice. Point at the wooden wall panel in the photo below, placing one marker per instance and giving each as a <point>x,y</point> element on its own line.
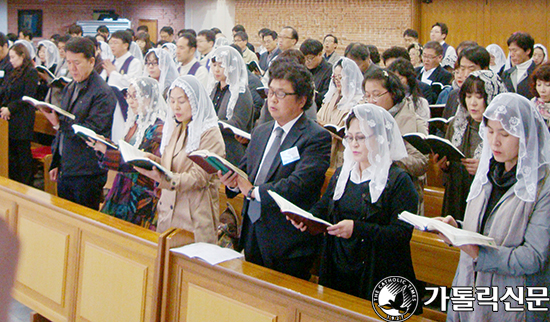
<point>486,21</point>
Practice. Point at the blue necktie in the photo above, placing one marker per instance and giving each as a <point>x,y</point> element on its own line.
<point>255,207</point>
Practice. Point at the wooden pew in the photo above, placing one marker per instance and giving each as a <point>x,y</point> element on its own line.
<point>43,126</point>
<point>77,264</point>
<point>4,148</point>
<point>240,291</point>
<point>433,201</point>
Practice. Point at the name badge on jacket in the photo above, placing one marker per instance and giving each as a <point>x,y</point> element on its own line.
<point>2,74</point>
<point>290,155</point>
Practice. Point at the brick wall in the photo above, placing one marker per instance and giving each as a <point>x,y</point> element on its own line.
<point>377,22</point>
<point>58,15</point>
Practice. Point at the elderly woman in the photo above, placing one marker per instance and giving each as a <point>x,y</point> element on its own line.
<point>476,93</point>
<point>367,242</point>
<point>160,66</point>
<point>383,88</point>
<point>344,92</point>
<point>228,89</point>
<point>508,201</point>
<point>132,197</point>
<point>189,197</point>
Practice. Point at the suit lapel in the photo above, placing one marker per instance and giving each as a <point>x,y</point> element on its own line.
<point>262,137</point>
<point>293,135</point>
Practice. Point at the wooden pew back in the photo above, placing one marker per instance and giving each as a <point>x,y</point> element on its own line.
<point>4,148</point>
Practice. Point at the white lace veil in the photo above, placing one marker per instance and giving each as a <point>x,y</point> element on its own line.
<point>352,85</point>
<point>520,118</point>
<point>543,50</point>
<point>171,49</point>
<point>500,57</point>
<point>152,107</point>
<point>106,52</point>
<point>29,47</point>
<point>493,86</point>
<point>221,41</point>
<point>384,143</point>
<point>136,51</point>
<point>235,71</point>
<point>52,53</point>
<point>203,115</point>
<point>167,66</point>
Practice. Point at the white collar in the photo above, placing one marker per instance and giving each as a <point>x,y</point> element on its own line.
<point>357,177</point>
<point>124,57</point>
<point>286,128</point>
<point>194,60</point>
<point>525,65</point>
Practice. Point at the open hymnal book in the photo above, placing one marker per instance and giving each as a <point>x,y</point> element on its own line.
<point>431,143</point>
<point>336,130</point>
<point>212,163</point>
<point>457,236</point>
<point>210,253</point>
<point>53,81</point>
<point>87,133</point>
<point>136,157</point>
<point>440,123</point>
<point>235,130</point>
<point>43,104</point>
<point>314,225</point>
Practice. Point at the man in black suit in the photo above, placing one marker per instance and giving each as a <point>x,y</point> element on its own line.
<point>75,166</point>
<point>432,73</point>
<point>270,43</point>
<point>360,54</point>
<point>517,78</point>
<point>290,156</point>
<point>5,65</point>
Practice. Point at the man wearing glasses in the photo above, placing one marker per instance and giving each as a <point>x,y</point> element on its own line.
<point>432,73</point>
<point>319,68</point>
<point>289,156</point>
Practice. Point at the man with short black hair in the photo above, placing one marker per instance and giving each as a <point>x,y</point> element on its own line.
<point>261,34</point>
<point>288,37</point>
<point>167,34</point>
<point>104,31</point>
<point>410,36</point>
<point>393,53</point>
<point>142,29</point>
<point>516,79</point>
<point>272,50</point>
<point>240,28</point>
<point>360,54</point>
<point>186,47</point>
<point>205,43</point>
<point>124,67</point>
<point>289,156</point>
<point>241,40</point>
<point>5,65</point>
<point>75,30</point>
<point>75,166</point>
<point>330,43</point>
<point>439,33</point>
<point>319,68</point>
<point>432,73</point>
<point>188,31</point>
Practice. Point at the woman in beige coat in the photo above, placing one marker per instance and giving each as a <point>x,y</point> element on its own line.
<point>384,89</point>
<point>189,197</point>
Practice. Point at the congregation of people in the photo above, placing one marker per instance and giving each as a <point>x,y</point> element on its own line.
<point>166,99</point>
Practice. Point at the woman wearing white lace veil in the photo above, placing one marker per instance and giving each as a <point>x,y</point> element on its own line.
<point>367,242</point>
<point>498,58</point>
<point>171,49</point>
<point>476,93</point>
<point>29,46</point>
<point>344,92</point>
<point>48,57</point>
<point>133,197</point>
<point>228,89</point>
<point>189,198</point>
<point>160,66</point>
<point>136,51</point>
<point>540,54</point>
<point>106,52</point>
<point>509,201</point>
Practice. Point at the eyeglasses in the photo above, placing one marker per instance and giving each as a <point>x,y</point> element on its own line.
<point>133,96</point>
<point>429,57</point>
<point>151,63</point>
<point>360,139</point>
<point>280,94</point>
<point>374,97</point>
<point>309,59</point>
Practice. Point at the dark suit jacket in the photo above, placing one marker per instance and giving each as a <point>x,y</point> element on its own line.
<point>21,125</point>
<point>439,75</point>
<point>321,78</point>
<point>523,88</point>
<point>299,182</point>
<point>266,58</point>
<point>93,109</point>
